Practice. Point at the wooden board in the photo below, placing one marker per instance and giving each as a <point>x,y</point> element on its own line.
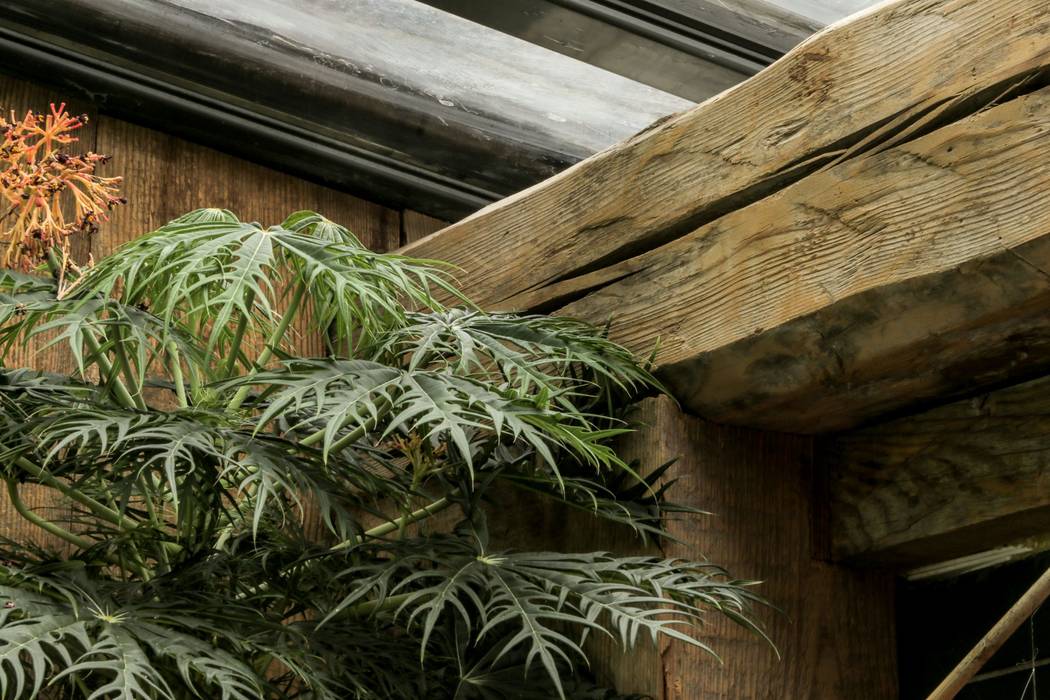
<point>901,65</point>
<point>836,634</point>
<point>953,481</point>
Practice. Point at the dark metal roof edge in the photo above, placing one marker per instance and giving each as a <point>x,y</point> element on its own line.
<point>262,139</point>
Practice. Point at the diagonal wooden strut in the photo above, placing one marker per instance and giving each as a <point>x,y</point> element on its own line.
<point>1023,609</point>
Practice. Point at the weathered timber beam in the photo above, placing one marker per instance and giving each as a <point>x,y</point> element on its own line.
<point>852,231</point>
<point>899,66</point>
<point>916,273</point>
<point>953,481</point>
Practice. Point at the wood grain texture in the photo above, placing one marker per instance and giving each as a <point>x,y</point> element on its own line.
<point>955,480</point>
<point>836,634</point>
<point>900,67</point>
<point>415,226</point>
<point>886,280</point>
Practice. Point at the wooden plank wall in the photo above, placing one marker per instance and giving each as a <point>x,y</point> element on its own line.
<point>835,633</point>
<point>166,176</point>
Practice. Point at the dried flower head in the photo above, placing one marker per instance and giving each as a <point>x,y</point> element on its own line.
<point>51,194</point>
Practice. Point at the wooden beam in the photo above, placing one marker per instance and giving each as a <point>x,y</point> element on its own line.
<point>953,481</point>
<point>902,64</point>
<point>822,244</point>
<point>890,279</point>
<point>398,101</point>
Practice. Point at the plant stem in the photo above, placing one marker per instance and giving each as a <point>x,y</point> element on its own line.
<point>382,406</point>
<point>154,519</point>
<point>238,336</point>
<point>105,367</point>
<point>110,377</point>
<point>42,523</point>
<point>373,606</point>
<point>176,374</point>
<point>398,523</point>
<point>125,368</point>
<point>271,343</point>
<point>98,509</point>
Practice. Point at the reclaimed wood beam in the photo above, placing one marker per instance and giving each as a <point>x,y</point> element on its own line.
<point>916,273</point>
<point>896,66</point>
<point>950,482</point>
<point>820,245</point>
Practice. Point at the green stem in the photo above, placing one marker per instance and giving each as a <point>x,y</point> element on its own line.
<point>43,524</point>
<point>111,378</point>
<point>124,365</point>
<point>45,477</point>
<point>271,343</point>
<point>369,607</point>
<point>238,336</point>
<point>154,519</point>
<point>123,395</point>
<point>382,406</point>
<point>176,374</point>
<point>398,523</point>
<point>100,510</point>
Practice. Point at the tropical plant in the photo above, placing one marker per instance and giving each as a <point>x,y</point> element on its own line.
<point>247,523</point>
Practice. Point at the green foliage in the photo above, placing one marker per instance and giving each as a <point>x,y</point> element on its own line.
<point>249,523</point>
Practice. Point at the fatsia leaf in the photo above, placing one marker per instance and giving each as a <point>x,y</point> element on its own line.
<point>217,668</point>
<point>119,655</point>
<point>565,358</point>
<point>543,604</point>
<point>207,269</point>
<point>33,647</point>
<point>339,400</point>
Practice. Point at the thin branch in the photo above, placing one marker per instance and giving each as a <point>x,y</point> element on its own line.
<point>394,525</point>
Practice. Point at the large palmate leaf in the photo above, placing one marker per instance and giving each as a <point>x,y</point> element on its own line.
<point>542,605</point>
<point>526,354</point>
<point>340,400</point>
<point>192,455</point>
<point>212,272</point>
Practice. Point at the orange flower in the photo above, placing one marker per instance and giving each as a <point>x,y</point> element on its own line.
<point>51,194</point>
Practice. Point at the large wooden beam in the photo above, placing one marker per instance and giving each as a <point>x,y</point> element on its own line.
<point>953,481</point>
<point>890,279</point>
<point>822,244</point>
<point>896,67</point>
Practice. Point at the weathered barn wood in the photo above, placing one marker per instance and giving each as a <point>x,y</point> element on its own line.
<point>836,634</point>
<point>952,481</point>
<point>415,226</point>
<point>815,234</point>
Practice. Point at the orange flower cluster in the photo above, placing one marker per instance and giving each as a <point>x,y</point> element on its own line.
<point>51,194</point>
